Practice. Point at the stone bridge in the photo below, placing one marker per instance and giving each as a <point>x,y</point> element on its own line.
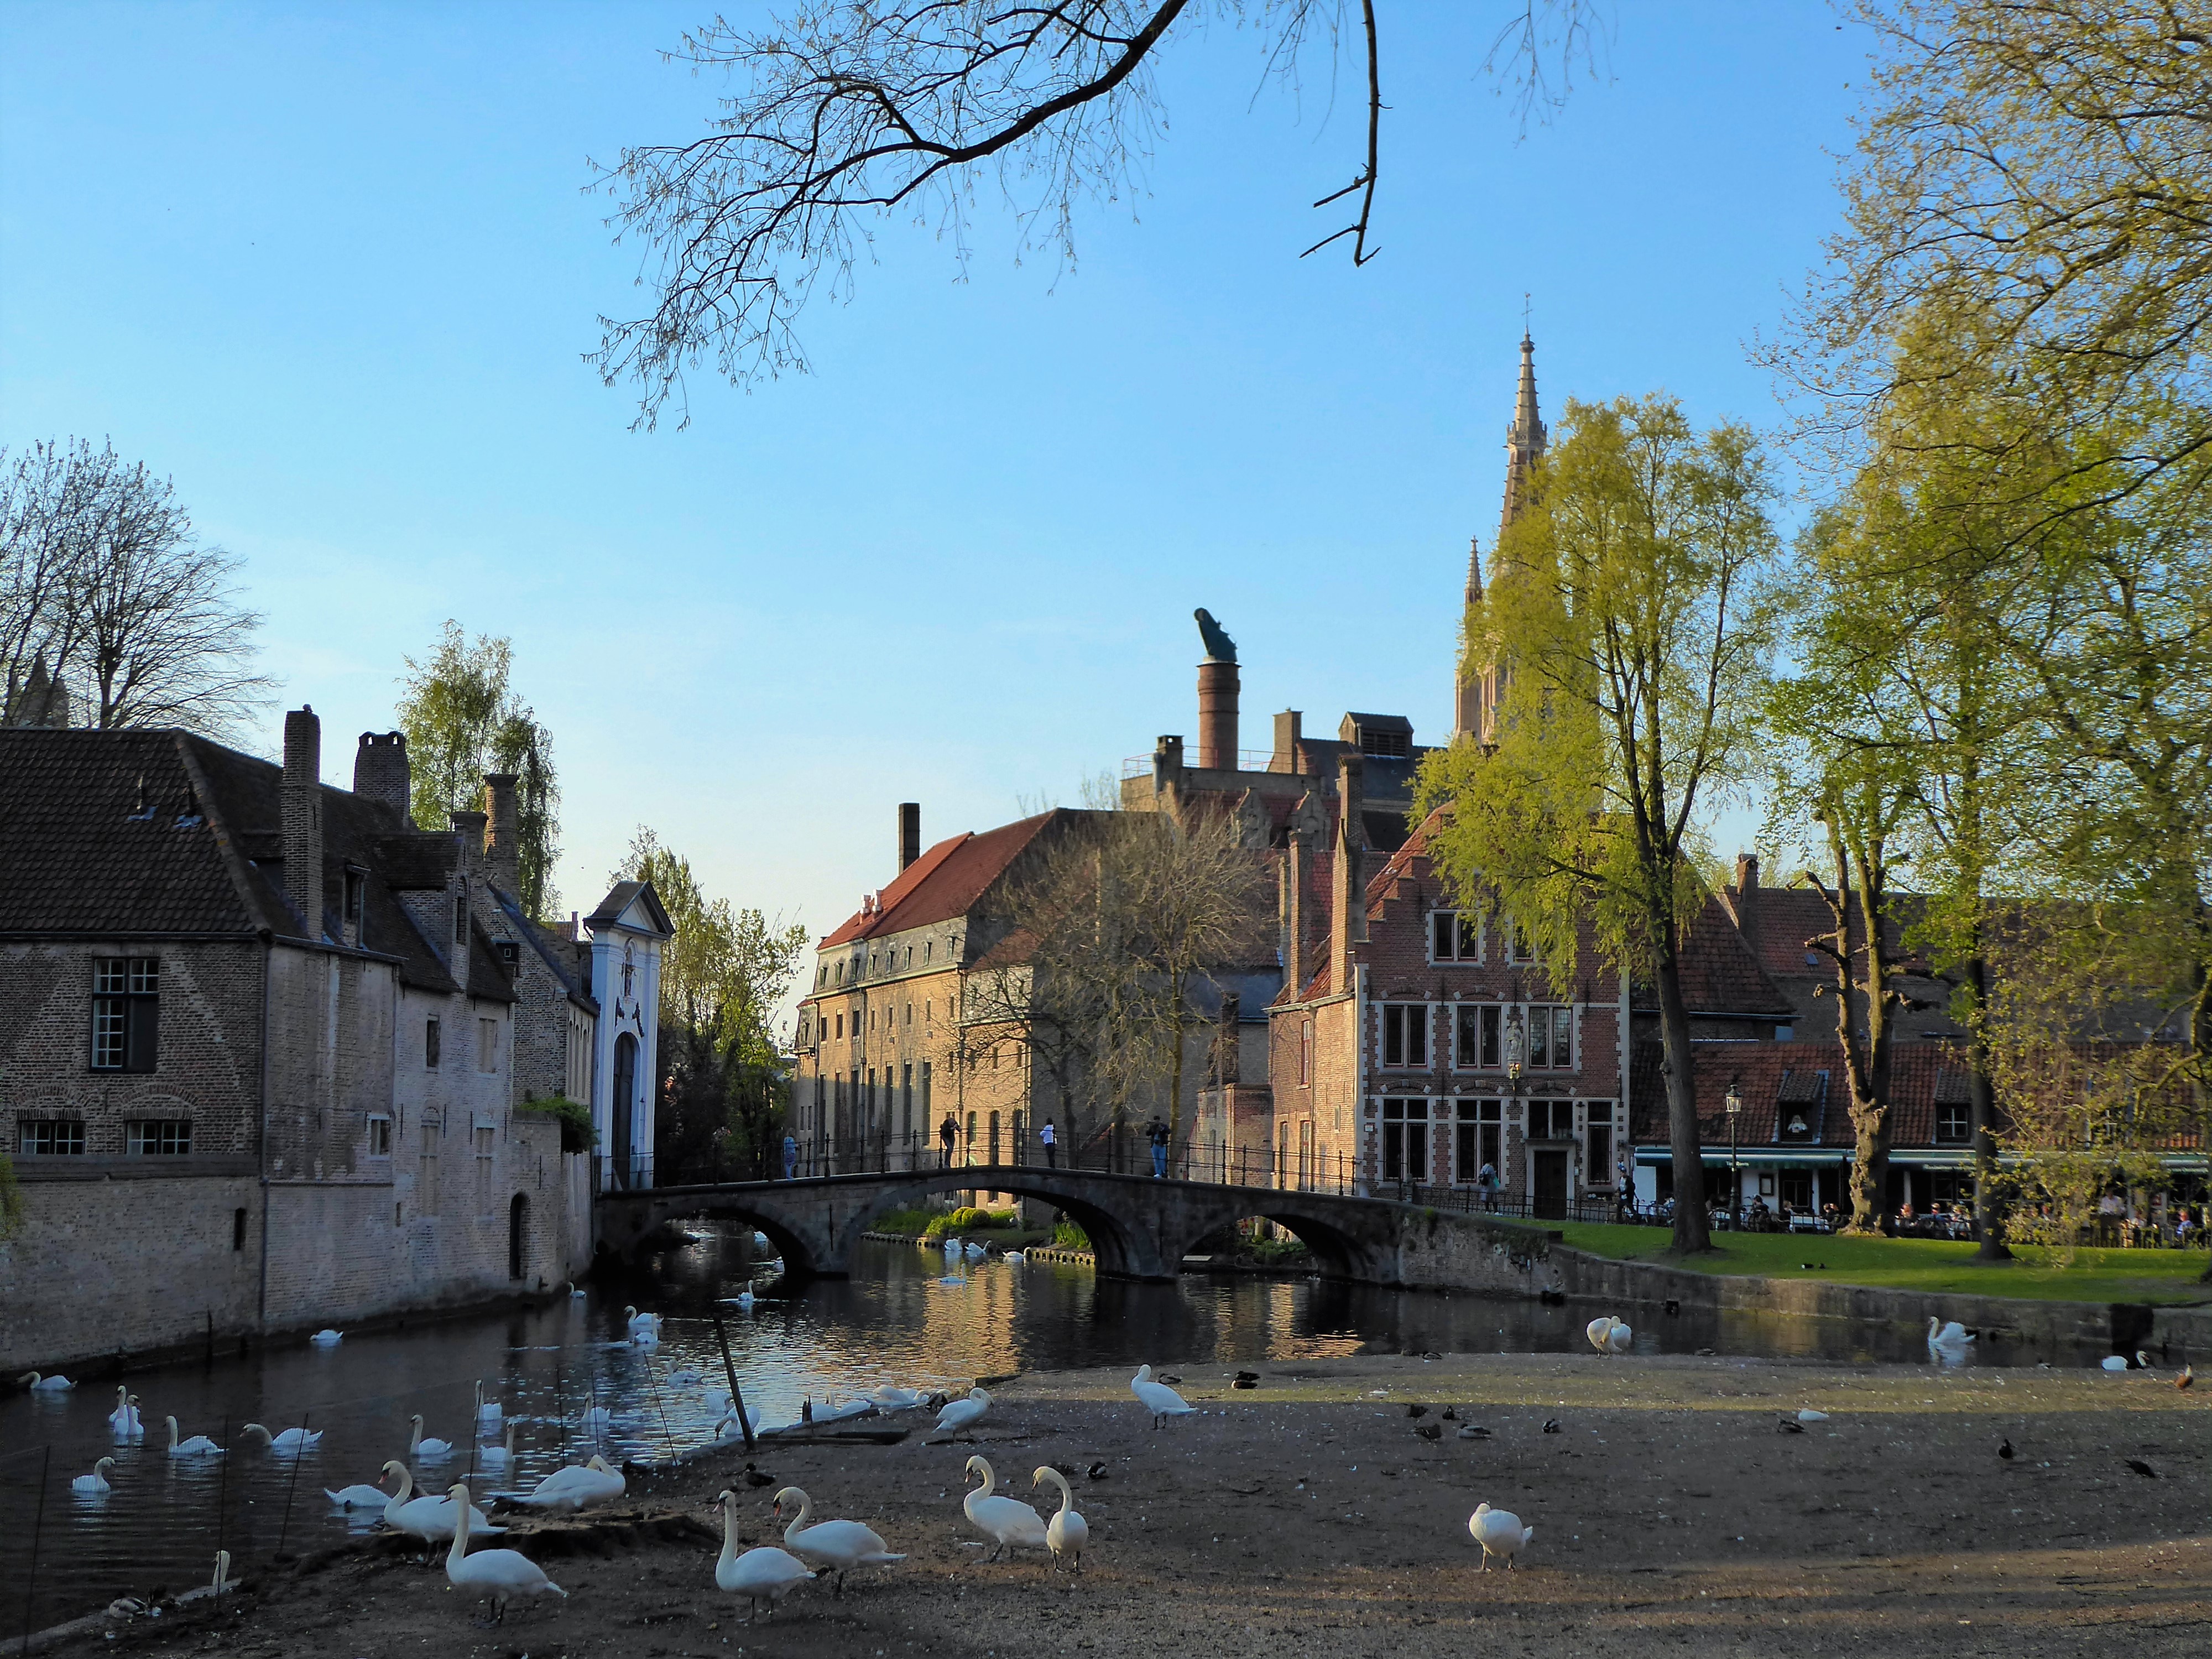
<point>1139,1228</point>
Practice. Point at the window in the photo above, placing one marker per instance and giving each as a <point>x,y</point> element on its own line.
<point>357,889</point>
<point>158,1137</point>
<point>60,1137</point>
<point>1551,1119</point>
<point>1797,1189</point>
<point>1953,1122</point>
<point>1405,1034</point>
<point>1455,936</point>
<point>486,1045</point>
<point>841,1024</point>
<point>927,947</point>
<point>126,1013</point>
<point>1552,1039</point>
<point>430,1042</point>
<point>924,1092</point>
<point>238,1229</point>
<point>909,1014</point>
<point>1404,1140</point>
<point>1517,948</point>
<point>906,1100</point>
<point>483,1139</point>
<point>1597,1143</point>
<point>1480,1140</point>
<point>1479,1026</point>
<point>1305,1053</point>
<point>380,1137</point>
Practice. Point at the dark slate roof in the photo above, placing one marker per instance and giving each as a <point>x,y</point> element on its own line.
<point>555,951</point>
<point>619,899</point>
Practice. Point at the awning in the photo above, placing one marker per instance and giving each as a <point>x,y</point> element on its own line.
<point>1767,1157</point>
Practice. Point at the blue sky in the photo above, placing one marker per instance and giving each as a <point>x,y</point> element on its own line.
<point>334,270</point>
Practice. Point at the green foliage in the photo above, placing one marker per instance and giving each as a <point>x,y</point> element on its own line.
<point>967,1219</point>
<point>577,1135</point>
<point>11,1197</point>
<point>914,1223</point>
<point>463,720</point>
<point>1069,1236</point>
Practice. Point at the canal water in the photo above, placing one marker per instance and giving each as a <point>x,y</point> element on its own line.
<point>895,1321</point>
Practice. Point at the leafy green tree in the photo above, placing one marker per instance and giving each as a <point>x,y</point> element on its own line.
<point>1630,619</point>
<point>463,720</point>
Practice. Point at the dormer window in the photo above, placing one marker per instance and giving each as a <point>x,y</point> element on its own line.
<point>510,953</point>
<point>1384,736</point>
<point>356,896</point>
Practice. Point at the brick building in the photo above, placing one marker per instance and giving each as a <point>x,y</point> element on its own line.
<point>265,1046</point>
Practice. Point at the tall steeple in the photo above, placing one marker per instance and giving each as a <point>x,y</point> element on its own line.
<point>1466,689</point>
<point>1524,439</point>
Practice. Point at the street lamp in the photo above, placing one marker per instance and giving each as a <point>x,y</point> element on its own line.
<point>1734,1103</point>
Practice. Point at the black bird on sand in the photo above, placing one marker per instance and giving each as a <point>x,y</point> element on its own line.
<point>2004,1449</point>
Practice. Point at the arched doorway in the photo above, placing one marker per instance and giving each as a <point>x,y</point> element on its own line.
<point>518,1238</point>
<point>623,1107</point>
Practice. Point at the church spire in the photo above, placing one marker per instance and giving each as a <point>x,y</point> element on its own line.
<point>1466,689</point>
<point>1524,439</point>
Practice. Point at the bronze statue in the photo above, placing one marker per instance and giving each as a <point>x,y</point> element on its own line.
<point>1219,648</point>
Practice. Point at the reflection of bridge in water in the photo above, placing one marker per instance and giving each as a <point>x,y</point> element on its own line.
<point>1139,1227</point>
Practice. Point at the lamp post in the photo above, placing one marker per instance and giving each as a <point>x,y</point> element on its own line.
<point>1734,1103</point>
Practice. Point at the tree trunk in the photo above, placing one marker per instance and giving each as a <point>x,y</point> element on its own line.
<point>1988,1214</point>
<point>1692,1234</point>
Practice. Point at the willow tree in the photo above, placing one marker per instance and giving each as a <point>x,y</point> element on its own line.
<point>1631,618</point>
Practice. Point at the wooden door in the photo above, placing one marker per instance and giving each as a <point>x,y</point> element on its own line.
<point>1552,1184</point>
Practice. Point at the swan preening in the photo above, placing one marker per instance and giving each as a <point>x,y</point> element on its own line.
<point>38,1384</point>
<point>291,1440</point>
<point>433,1520</point>
<point>425,1446</point>
<point>198,1446</point>
<point>1066,1532</point>
<point>961,1415</point>
<point>576,1486</point>
<point>834,1546</point>
<point>502,1575</point>
<point>1947,1342</point>
<point>1499,1534</point>
<point>1608,1335</point>
<point>1009,1522</point>
<point>890,1398</point>
<point>95,1484</point>
<point>327,1338</point>
<point>1161,1400</point>
<point>759,1575</point>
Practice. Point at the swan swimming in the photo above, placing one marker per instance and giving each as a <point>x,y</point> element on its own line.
<point>501,1456</point>
<point>1161,1400</point>
<point>759,1575</point>
<point>746,1298</point>
<point>1066,1532</point>
<point>976,1252</point>
<point>125,1420</point>
<point>598,1419</point>
<point>427,1446</point>
<point>1013,1523</point>
<point>961,1415</point>
<point>488,1412</point>
<point>95,1484</point>
<point>1608,1335</point>
<point>430,1519</point>
<point>642,1322</point>
<point>39,1384</point>
<point>291,1440</point>
<point>836,1546</point>
<point>1499,1534</point>
<point>502,1575</point>
<point>198,1446</point>
<point>1947,1342</point>
<point>327,1338</point>
<point>1016,1258</point>
<point>575,1294</point>
<point>359,1496</point>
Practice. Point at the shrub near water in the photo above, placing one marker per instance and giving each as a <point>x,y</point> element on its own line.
<point>967,1219</point>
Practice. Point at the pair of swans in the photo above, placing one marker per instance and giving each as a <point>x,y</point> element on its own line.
<point>1950,1343</point>
<point>1500,1534</point>
<point>500,1574</point>
<point>290,1440</point>
<point>1012,1524</point>
<point>961,1415</point>
<point>759,1575</point>
<point>576,1486</point>
<point>125,1420</point>
<point>834,1546</point>
<point>1608,1334</point>
<point>433,1520</point>
<point>40,1384</point>
<point>1161,1400</point>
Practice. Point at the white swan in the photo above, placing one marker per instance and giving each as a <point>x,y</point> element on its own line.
<point>1608,1335</point>
<point>642,1322</point>
<point>746,1298</point>
<point>125,1420</point>
<point>38,1384</point>
<point>598,1419</point>
<point>430,1519</point>
<point>502,1575</point>
<point>1016,1258</point>
<point>1066,1532</point>
<point>292,1440</point>
<point>1499,1534</point>
<point>835,1546</point>
<point>718,1401</point>
<point>686,1378</point>
<point>1948,1341</point>
<point>427,1447</point>
<point>575,1294</point>
<point>576,1486</point>
<point>198,1446</point>
<point>1009,1520</point>
<point>952,1246</point>
<point>498,1456</point>
<point>890,1398</point>
<point>759,1575</point>
<point>488,1412</point>
<point>95,1484</point>
<point>327,1338</point>
<point>1161,1400</point>
<point>976,1252</point>
<point>648,1339</point>
<point>359,1496</point>
<point>222,1581</point>
<point>961,1415</point>
<point>2114,1362</point>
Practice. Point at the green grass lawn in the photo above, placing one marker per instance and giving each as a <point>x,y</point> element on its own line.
<point>1921,1264</point>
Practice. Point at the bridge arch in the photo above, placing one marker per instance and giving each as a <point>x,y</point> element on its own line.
<point>1119,1249</point>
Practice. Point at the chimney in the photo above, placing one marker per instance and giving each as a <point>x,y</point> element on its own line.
<point>468,833</point>
<point>503,840</point>
<point>302,816</point>
<point>1348,910</point>
<point>1216,715</point>
<point>1289,728</point>
<point>380,772</point>
<point>1747,872</point>
<point>909,832</point>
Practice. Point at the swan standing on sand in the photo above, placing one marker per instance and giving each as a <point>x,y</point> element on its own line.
<point>124,1420</point>
<point>1498,1532</point>
<point>429,1447</point>
<point>1947,1342</point>
<point>1608,1335</point>
<point>502,1575</point>
<point>38,1384</point>
<point>198,1446</point>
<point>95,1484</point>
<point>835,1546</point>
<point>1066,1532</point>
<point>1161,1400</point>
<point>292,1440</point>
<point>1008,1521</point>
<point>961,1415</point>
<point>576,1486</point>
<point>759,1575</point>
<point>430,1519</point>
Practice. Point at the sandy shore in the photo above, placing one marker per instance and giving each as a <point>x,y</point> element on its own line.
<point>1307,1517</point>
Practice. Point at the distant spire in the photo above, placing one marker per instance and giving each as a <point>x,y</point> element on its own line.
<point>1467,691</point>
<point>1524,439</point>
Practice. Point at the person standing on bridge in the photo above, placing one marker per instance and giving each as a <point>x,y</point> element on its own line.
<point>1051,1139</point>
<point>790,1157</point>
<point>1157,1133</point>
<point>948,1132</point>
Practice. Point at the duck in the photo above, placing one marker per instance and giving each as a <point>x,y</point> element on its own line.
<point>327,1338</point>
<point>125,1420</point>
<point>1161,1400</point>
<point>291,1440</point>
<point>1608,1334</point>
<point>835,1546</point>
<point>891,1398</point>
<point>95,1484</point>
<point>38,1384</point>
<point>576,1486</point>
<point>198,1446</point>
<point>500,1455</point>
<point>488,1412</point>
<point>1499,1534</point>
<point>501,1574</point>
<point>427,1446</point>
<point>1948,1341</point>
<point>961,1415</point>
<point>359,1496</point>
<point>430,1519</point>
<point>1011,1523</point>
<point>1066,1532</point>
<point>759,1575</point>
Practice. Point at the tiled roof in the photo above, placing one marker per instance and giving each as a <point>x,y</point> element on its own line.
<point>1780,1083</point>
<point>620,897</point>
<point>948,879</point>
<point>1719,973</point>
<point>555,951</point>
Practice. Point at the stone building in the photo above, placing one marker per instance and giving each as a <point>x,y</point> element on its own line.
<point>267,1048</point>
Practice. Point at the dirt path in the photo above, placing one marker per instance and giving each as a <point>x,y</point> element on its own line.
<point>1307,1517</point>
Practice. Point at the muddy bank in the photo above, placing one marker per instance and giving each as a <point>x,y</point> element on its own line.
<point>1310,1515</point>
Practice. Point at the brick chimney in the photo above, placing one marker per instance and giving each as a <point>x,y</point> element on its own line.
<point>301,806</point>
<point>1747,872</point>
<point>1216,715</point>
<point>909,834</point>
<point>502,846</point>
<point>380,772</point>
<point>1348,908</point>
<point>468,836</point>
<point>1288,732</point>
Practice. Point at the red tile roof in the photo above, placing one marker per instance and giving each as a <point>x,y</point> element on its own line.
<point>948,879</point>
<point>1782,1080</point>
<point>1720,975</point>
